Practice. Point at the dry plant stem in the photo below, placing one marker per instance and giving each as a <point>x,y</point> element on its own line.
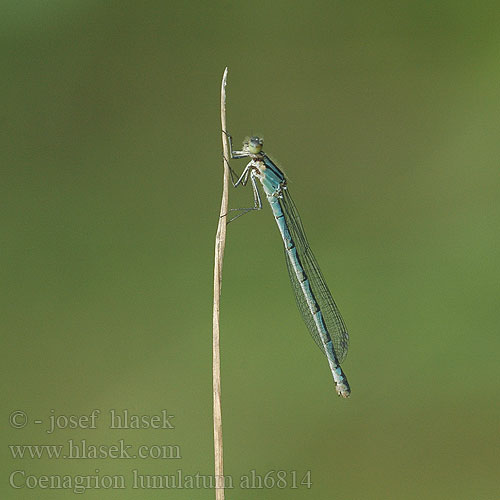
<point>220,243</point>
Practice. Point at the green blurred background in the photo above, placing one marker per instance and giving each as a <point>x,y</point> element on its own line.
<point>385,117</point>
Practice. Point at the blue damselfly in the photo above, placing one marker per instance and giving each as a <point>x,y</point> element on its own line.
<point>314,300</point>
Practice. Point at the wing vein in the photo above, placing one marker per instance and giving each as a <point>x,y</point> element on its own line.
<point>331,314</point>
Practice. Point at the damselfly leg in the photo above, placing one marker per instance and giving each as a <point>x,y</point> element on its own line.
<point>242,180</point>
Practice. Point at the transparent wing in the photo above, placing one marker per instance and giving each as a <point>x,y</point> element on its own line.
<point>331,314</point>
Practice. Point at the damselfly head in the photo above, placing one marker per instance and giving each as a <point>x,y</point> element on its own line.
<point>254,145</point>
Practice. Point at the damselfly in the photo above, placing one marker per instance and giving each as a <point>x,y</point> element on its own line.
<point>314,300</point>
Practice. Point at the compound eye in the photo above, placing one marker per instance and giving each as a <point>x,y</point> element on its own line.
<point>255,145</point>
